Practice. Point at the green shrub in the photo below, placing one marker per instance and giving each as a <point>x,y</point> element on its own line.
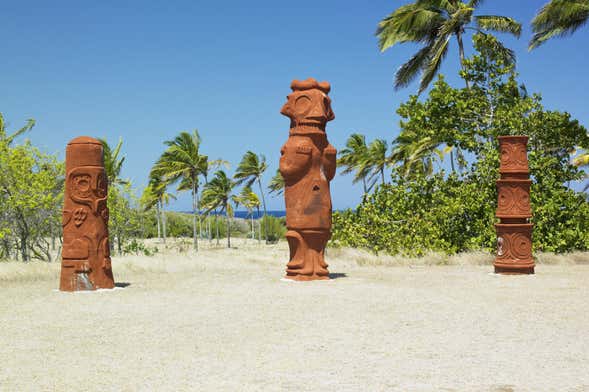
<point>275,227</point>
<point>424,210</point>
<point>136,247</point>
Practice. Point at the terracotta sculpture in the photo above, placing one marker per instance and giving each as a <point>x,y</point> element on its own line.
<point>85,261</point>
<point>514,233</point>
<point>307,165</point>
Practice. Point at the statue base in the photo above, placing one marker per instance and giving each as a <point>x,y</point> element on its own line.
<point>307,249</point>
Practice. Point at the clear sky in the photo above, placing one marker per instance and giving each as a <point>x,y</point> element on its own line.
<point>146,70</point>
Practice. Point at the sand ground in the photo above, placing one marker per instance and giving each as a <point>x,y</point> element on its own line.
<point>224,321</point>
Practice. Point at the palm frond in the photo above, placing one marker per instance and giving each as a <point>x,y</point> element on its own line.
<point>250,168</point>
<point>409,71</point>
<point>410,23</point>
<point>558,18</point>
<point>28,126</point>
<point>439,52</point>
<point>501,24</point>
<point>582,160</point>
<point>276,184</point>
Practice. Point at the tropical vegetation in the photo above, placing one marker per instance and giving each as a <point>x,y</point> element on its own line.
<point>433,23</point>
<point>427,207</point>
<point>430,188</point>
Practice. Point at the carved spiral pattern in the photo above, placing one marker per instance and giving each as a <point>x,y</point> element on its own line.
<point>513,200</point>
<point>514,156</point>
<point>521,246</point>
<point>514,247</point>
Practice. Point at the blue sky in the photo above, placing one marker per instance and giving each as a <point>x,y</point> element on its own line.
<point>146,70</point>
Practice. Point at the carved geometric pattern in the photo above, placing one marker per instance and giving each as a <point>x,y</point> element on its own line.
<point>513,199</point>
<point>80,215</point>
<point>514,234</point>
<point>513,154</point>
<point>514,246</point>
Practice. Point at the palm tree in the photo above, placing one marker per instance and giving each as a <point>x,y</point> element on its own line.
<point>376,160</point>
<point>217,194</point>
<point>183,163</point>
<point>558,18</point>
<point>149,201</point>
<point>249,200</point>
<point>210,165</point>
<point>433,23</point>
<point>250,170</point>
<point>415,156</point>
<point>276,184</point>
<point>352,159</point>
<point>8,139</point>
<point>156,196</point>
<point>112,163</point>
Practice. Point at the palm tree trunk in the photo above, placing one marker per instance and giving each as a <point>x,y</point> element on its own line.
<point>164,223</point>
<point>364,185</point>
<point>259,227</point>
<point>461,51</point>
<point>382,175</point>
<point>194,238</point>
<point>264,205</point>
<point>452,161</point>
<point>217,226</point>
<point>198,211</point>
<point>252,221</point>
<point>157,218</point>
<point>228,228</point>
<point>199,218</point>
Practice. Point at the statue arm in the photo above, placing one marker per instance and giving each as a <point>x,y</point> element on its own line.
<point>294,161</point>
<point>329,161</point>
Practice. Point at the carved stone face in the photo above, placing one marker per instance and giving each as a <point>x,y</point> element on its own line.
<point>310,107</point>
<point>88,185</point>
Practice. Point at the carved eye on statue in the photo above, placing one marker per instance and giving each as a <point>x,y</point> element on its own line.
<point>302,104</point>
<point>82,184</point>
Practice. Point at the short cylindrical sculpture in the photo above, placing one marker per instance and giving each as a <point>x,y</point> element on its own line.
<point>85,261</point>
<point>307,165</point>
<point>514,233</point>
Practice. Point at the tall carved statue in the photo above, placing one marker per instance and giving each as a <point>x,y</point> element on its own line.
<point>85,261</point>
<point>307,164</point>
<point>514,233</point>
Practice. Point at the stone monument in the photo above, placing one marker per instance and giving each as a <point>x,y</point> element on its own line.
<point>85,261</point>
<point>514,233</point>
<point>307,164</point>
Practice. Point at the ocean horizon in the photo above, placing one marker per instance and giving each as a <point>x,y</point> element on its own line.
<point>246,214</point>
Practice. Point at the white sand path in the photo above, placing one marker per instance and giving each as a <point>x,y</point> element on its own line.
<point>224,321</point>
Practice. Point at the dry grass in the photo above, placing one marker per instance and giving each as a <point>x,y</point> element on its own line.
<point>177,255</point>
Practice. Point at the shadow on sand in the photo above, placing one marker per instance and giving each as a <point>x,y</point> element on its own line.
<point>122,284</point>
<point>337,275</point>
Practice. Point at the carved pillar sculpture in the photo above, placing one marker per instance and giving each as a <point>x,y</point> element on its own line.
<point>307,165</point>
<point>85,261</point>
<point>514,233</point>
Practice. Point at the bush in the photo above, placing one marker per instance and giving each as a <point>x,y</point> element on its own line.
<point>276,228</point>
<point>424,210</point>
<point>137,247</point>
